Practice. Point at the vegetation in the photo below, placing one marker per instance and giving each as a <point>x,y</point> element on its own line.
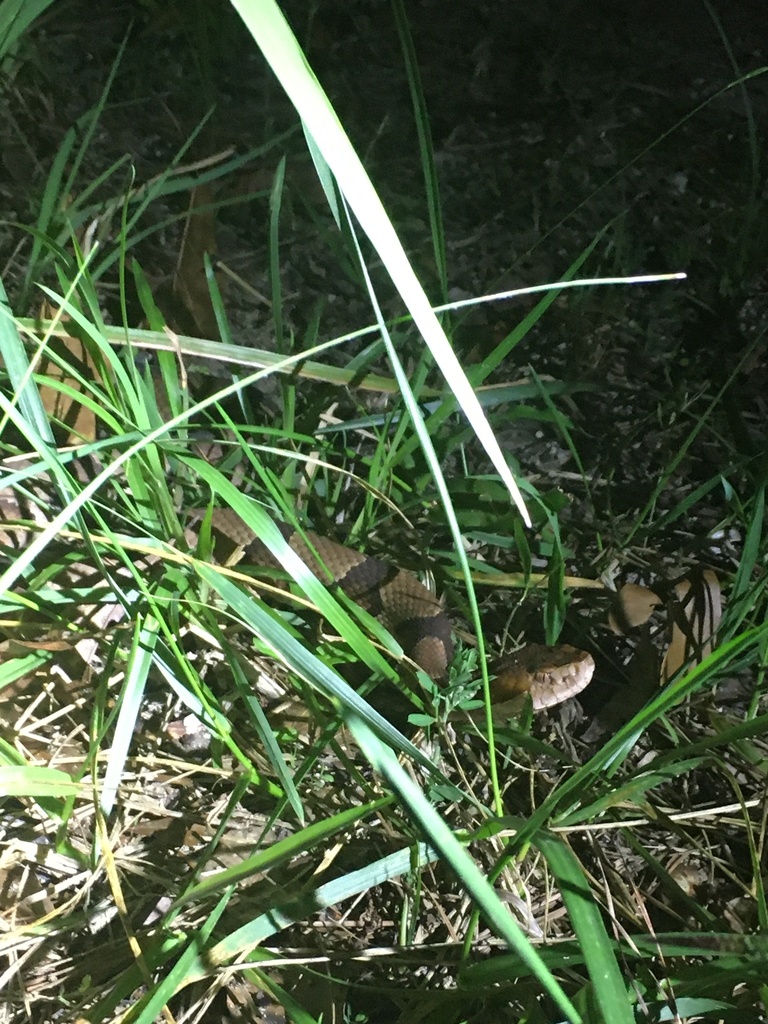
<point>220,798</point>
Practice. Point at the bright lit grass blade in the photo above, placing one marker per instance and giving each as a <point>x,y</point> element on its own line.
<point>565,799</point>
<point>311,369</point>
<point>265,733</point>
<point>17,363</point>
<point>36,781</point>
<point>60,521</point>
<point>12,669</point>
<point>609,989</point>
<point>743,582</point>
<point>327,895</point>
<point>53,465</point>
<point>147,1009</point>
<point>430,454</point>
<point>302,661</point>
<point>274,920</point>
<point>269,28</point>
<point>443,840</point>
<point>283,850</point>
<point>265,529</point>
<point>131,695</point>
<point>633,789</point>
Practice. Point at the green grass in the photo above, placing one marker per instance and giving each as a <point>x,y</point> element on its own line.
<point>205,807</point>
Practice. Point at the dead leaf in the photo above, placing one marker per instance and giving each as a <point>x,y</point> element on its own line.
<point>79,420</point>
<point>632,606</point>
<point>696,611</point>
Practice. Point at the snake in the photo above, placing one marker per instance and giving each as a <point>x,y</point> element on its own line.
<point>401,602</point>
<point>412,613</point>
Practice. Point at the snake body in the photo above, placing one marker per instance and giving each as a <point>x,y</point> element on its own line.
<point>412,613</point>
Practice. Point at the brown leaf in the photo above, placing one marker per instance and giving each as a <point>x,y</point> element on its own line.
<point>696,611</point>
<point>632,606</point>
<point>77,418</point>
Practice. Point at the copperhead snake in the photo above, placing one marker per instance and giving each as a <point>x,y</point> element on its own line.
<point>413,615</point>
<point>403,605</point>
